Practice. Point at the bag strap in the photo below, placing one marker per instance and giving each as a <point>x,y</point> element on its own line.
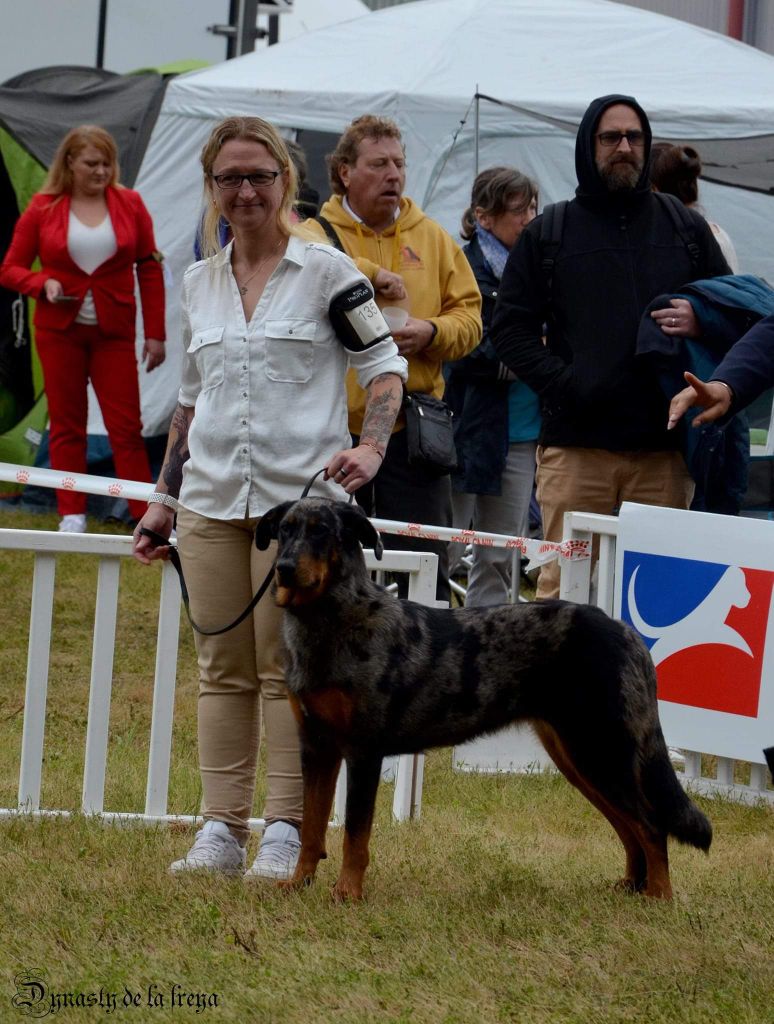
<point>551,230</point>
<point>683,225</point>
<point>329,230</point>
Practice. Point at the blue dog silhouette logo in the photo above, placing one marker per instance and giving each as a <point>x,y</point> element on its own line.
<point>31,994</point>
<point>705,624</point>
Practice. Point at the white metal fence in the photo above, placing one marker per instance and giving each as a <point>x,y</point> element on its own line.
<point>422,568</point>
<point>109,550</point>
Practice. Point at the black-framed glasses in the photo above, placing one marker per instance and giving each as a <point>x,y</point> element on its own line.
<point>635,138</point>
<point>258,179</point>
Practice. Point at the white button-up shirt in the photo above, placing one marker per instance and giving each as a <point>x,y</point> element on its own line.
<point>269,395</point>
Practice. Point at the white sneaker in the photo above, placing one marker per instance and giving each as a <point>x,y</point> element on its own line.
<point>215,849</point>
<point>73,524</point>
<point>278,855</point>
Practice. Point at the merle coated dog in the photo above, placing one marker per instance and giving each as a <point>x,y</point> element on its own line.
<point>370,675</point>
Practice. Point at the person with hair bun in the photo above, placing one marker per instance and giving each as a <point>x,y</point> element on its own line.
<point>91,235</point>
<point>496,416</point>
<point>675,170</point>
<point>271,324</point>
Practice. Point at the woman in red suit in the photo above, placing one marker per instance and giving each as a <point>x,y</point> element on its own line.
<point>90,234</point>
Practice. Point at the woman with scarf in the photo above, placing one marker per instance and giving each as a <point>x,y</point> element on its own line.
<point>496,416</point>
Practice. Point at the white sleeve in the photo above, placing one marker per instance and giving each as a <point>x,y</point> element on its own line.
<point>372,359</point>
<point>190,383</point>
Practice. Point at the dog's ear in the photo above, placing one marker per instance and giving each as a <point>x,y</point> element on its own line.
<point>355,519</point>
<point>266,530</point>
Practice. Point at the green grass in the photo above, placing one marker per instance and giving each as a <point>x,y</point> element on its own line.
<point>497,906</point>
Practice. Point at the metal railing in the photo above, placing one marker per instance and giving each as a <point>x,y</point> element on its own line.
<point>422,569</point>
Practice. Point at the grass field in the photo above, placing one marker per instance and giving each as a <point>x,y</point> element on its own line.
<point>497,906</point>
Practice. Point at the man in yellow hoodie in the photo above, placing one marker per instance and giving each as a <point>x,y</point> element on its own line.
<point>413,263</point>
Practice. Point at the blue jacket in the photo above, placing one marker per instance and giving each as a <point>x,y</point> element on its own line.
<point>748,367</point>
<point>478,399</point>
<point>716,454</point>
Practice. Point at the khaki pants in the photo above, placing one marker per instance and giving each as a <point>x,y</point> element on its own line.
<point>597,480</point>
<point>240,674</point>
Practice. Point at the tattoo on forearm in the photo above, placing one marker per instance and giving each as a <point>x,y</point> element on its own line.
<point>382,407</point>
<point>178,452</point>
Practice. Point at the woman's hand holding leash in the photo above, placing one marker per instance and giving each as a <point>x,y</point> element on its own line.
<point>354,467</point>
<point>158,519</point>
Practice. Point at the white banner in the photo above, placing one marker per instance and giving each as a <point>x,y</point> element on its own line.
<point>699,588</point>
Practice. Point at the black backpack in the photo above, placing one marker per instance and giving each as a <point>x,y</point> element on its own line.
<point>552,228</point>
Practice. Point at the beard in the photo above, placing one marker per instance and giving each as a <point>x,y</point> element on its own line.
<point>620,173</point>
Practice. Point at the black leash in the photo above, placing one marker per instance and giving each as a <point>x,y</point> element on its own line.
<point>158,541</point>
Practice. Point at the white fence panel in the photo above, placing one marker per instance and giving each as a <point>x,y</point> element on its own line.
<point>422,570</point>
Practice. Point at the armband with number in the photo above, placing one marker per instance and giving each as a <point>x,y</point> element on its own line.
<point>356,319</point>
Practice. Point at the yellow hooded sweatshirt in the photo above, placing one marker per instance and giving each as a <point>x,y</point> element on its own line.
<point>439,283</point>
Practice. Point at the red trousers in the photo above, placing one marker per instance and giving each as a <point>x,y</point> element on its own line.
<point>70,359</point>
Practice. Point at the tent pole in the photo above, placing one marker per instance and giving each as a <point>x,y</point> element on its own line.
<point>101,25</point>
<point>476,147</point>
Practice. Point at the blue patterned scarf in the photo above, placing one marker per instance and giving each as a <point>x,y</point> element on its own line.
<point>495,253</point>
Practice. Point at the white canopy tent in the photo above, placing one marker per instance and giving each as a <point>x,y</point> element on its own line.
<point>540,62</point>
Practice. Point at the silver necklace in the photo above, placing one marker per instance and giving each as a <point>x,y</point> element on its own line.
<point>243,286</point>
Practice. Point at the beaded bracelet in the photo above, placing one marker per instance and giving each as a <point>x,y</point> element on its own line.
<point>163,499</point>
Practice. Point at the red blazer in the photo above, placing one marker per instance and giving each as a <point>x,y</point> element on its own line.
<point>41,232</point>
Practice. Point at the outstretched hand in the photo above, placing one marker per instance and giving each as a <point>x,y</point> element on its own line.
<point>713,396</point>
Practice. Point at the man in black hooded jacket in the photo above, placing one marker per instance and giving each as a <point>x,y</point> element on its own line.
<point>604,438</point>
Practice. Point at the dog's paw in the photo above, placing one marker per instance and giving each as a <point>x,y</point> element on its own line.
<point>295,885</point>
<point>347,890</point>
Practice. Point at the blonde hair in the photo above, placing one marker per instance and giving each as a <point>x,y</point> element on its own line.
<point>249,129</point>
<point>59,180</point>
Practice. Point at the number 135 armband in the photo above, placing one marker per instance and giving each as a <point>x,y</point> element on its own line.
<point>356,319</point>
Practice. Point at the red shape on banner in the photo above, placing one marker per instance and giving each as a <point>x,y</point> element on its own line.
<point>718,677</point>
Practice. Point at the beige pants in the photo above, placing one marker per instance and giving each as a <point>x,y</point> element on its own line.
<point>597,480</point>
<point>240,673</point>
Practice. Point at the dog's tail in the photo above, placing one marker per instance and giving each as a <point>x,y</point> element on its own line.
<point>677,814</point>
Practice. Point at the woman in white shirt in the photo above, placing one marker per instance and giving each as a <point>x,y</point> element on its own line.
<point>262,407</point>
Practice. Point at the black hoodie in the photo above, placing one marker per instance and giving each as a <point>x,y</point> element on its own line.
<point>619,250</point>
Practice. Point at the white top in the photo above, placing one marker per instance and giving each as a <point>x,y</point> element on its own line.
<point>270,399</point>
<point>726,246</point>
<point>89,248</point>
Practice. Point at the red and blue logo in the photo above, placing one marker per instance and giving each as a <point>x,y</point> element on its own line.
<point>705,625</point>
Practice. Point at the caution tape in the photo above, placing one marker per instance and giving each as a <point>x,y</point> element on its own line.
<point>537,551</point>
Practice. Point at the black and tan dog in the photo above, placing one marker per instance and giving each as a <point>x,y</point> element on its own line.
<point>370,675</point>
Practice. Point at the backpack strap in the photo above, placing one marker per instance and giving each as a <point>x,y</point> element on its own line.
<point>551,229</point>
<point>328,228</point>
<point>684,226</point>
